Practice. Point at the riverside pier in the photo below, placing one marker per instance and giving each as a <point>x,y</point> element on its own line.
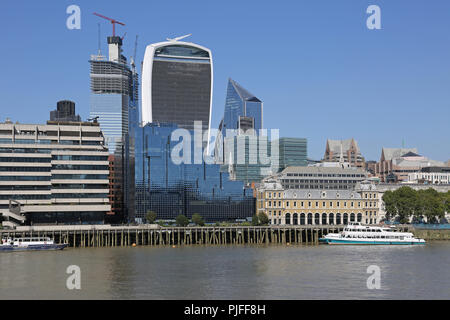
<point>87,236</point>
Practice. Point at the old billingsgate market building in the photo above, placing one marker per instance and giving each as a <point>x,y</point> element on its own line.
<point>318,207</point>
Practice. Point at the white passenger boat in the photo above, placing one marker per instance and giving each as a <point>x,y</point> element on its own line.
<point>30,244</point>
<point>356,233</point>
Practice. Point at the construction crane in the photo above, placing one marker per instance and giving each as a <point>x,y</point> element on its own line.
<point>113,22</point>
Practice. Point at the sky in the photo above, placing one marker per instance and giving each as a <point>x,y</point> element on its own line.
<point>321,73</point>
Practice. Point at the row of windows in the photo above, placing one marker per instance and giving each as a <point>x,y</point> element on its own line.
<point>79,186</point>
<point>25,159</point>
<point>25,169</point>
<point>309,219</point>
<point>80,176</point>
<point>79,167</point>
<point>291,181</point>
<point>312,186</point>
<point>24,178</point>
<point>78,158</point>
<point>325,175</point>
<point>286,204</point>
<point>279,195</point>
<point>24,196</point>
<point>79,195</point>
<point>27,188</point>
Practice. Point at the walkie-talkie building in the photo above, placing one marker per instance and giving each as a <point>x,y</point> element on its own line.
<point>177,84</point>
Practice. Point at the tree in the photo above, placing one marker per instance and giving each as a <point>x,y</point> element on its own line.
<point>150,217</point>
<point>255,220</point>
<point>197,219</point>
<point>389,204</point>
<point>182,221</point>
<point>406,201</point>
<point>263,219</point>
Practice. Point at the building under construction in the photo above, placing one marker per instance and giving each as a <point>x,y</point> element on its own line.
<point>113,104</point>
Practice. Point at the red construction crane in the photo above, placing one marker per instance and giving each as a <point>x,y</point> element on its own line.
<point>113,22</point>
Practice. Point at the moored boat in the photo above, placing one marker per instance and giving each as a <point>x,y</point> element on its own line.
<point>30,244</point>
<point>357,234</point>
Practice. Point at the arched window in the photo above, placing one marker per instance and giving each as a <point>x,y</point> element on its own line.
<point>359,217</point>
<point>302,219</point>
<point>338,218</point>
<point>331,218</point>
<point>295,219</point>
<point>288,218</point>
<point>324,218</point>
<point>317,218</point>
<point>345,220</point>
<point>352,217</point>
<point>310,218</point>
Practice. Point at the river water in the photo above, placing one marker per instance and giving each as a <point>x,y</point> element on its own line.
<point>230,272</point>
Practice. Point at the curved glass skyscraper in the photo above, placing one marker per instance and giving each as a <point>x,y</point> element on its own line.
<point>177,83</point>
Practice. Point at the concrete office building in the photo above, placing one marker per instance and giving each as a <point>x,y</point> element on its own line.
<point>53,173</point>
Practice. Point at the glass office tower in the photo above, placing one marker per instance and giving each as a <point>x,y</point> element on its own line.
<point>243,110</point>
<point>111,92</point>
<point>177,84</point>
<point>293,153</point>
<point>243,116</point>
<point>114,105</point>
<point>171,189</point>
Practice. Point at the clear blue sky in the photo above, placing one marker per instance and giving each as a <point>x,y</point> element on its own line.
<point>320,72</point>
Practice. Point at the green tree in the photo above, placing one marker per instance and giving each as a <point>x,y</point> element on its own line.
<point>182,221</point>
<point>150,216</point>
<point>197,219</point>
<point>389,204</point>
<point>263,219</point>
<point>406,201</point>
<point>255,220</point>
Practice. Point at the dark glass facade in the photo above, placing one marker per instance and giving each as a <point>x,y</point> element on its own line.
<point>170,189</point>
<point>181,86</point>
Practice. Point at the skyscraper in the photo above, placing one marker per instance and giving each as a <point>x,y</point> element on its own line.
<point>114,101</point>
<point>243,110</point>
<point>177,84</point>
<point>239,144</point>
<point>112,93</point>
